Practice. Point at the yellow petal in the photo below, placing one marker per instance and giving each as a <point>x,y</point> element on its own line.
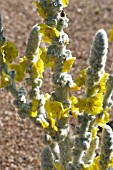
<point>48,61</point>
<point>56,107</point>
<point>41,11</point>
<point>48,106</point>
<point>57,166</point>
<point>53,124</point>
<point>33,114</point>
<point>102,83</point>
<point>44,124</point>
<point>68,63</point>
<point>73,99</point>
<point>4,80</point>
<point>19,71</point>
<point>34,104</point>
<point>48,31</point>
<point>9,52</point>
<point>74,87</point>
<point>65,3</point>
<point>38,68</point>
<point>23,62</point>
<point>94,132</point>
<point>80,80</point>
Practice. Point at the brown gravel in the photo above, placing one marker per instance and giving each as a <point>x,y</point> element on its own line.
<point>20,140</point>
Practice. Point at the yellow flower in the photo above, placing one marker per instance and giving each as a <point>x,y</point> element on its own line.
<point>65,3</point>
<point>80,80</point>
<point>34,108</point>
<point>38,68</point>
<point>92,105</point>
<point>111,34</point>
<point>74,110</point>
<point>41,11</point>
<point>102,84</point>
<point>19,68</point>
<point>48,61</point>
<point>68,63</point>
<point>9,52</point>
<point>56,108</point>
<point>48,32</point>
<point>19,71</point>
<point>4,80</point>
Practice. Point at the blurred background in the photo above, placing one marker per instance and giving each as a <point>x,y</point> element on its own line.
<point>20,140</point>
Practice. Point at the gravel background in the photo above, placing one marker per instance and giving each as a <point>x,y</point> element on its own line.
<point>20,140</point>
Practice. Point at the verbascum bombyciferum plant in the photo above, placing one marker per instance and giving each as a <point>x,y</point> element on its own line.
<point>52,112</point>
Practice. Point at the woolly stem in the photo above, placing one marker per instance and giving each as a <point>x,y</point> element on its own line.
<point>47,160</point>
<point>2,37</point>
<point>81,142</point>
<point>97,61</point>
<point>65,155</point>
<point>55,150</point>
<point>90,155</point>
<point>95,72</point>
<point>109,91</point>
<point>19,93</point>
<point>106,147</point>
<point>57,19</point>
